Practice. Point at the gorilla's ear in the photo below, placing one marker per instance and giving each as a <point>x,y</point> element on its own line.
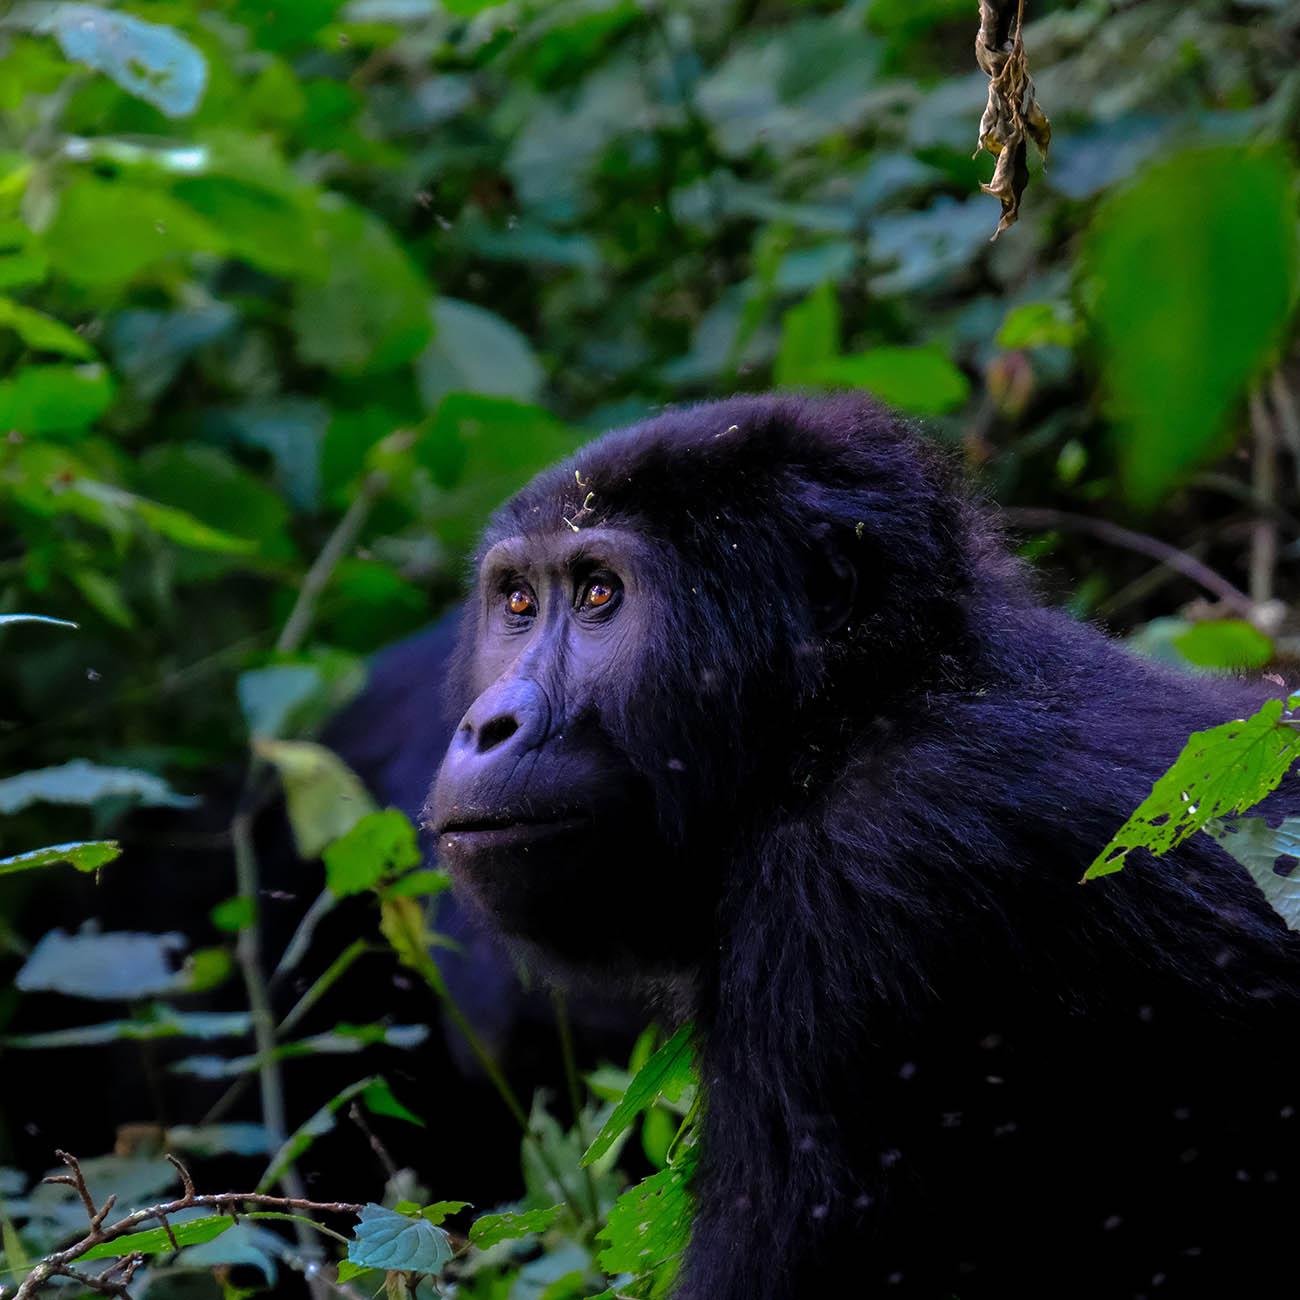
<point>832,582</point>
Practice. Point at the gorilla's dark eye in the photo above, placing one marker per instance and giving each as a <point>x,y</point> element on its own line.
<point>520,602</point>
<point>600,592</point>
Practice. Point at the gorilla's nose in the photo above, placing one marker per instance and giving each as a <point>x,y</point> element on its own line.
<point>504,722</point>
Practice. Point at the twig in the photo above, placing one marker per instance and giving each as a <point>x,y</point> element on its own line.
<point>115,1278</point>
<point>317,578</point>
<point>1263,531</point>
<point>1188,565</point>
<point>1288,419</point>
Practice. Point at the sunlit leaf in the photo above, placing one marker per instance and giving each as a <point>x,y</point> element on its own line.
<point>325,797</point>
<point>667,1072</point>
<point>88,855</point>
<point>1225,644</point>
<point>1224,770</point>
<point>380,844</point>
<point>116,965</point>
<point>493,1228</point>
<point>152,1241</point>
<point>43,333</point>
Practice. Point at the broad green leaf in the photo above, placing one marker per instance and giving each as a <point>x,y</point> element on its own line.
<point>106,233</point>
<point>380,844</point>
<point>650,1224</point>
<point>378,1099</point>
<point>493,1228</point>
<point>1224,770</point>
<point>1225,643</point>
<point>153,1241</point>
<point>396,1242</point>
<point>175,525</point>
<point>82,782</point>
<point>914,379</point>
<point>233,914</point>
<point>286,698</point>
<point>1192,276</point>
<point>1270,853</point>
<point>146,59</point>
<point>667,1072</point>
<point>810,336</point>
<point>436,1212</point>
<point>418,884</point>
<point>43,333</point>
<point>264,228</point>
<point>1039,324</point>
<point>326,798</point>
<point>474,351</point>
<point>485,448</point>
<point>88,855</point>
<point>55,398</point>
<point>371,311</point>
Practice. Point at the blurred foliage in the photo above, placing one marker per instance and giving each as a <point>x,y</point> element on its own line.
<point>291,295</point>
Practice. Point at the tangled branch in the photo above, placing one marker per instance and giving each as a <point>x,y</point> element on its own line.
<point>115,1279</point>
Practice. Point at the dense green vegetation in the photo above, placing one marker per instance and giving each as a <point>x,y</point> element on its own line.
<point>291,295</point>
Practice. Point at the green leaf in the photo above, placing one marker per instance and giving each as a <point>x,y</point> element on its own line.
<point>650,1224</point>
<point>297,696</point>
<point>1226,644</point>
<point>153,62</point>
<point>263,228</point>
<point>88,855</point>
<point>154,1241</point>
<point>1271,855</point>
<point>371,311</point>
<point>1193,279</point>
<point>667,1072</point>
<point>914,379</point>
<point>810,336</point>
<point>436,1212</point>
<point>418,884</point>
<point>106,233</point>
<point>82,782</point>
<point>326,798</point>
<point>379,845</point>
<point>474,351</point>
<point>175,525</point>
<point>493,1228</point>
<point>1224,770</point>
<point>485,448</point>
<point>397,1243</point>
<point>233,914</point>
<point>43,333</point>
<point>1039,324</point>
<point>378,1099</point>
<point>55,399</point>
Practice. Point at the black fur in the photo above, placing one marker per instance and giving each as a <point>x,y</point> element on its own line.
<point>936,1064</point>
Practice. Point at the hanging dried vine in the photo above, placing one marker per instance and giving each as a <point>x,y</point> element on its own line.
<point>1012,116</point>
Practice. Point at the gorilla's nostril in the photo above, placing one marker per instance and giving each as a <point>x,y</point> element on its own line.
<point>495,732</point>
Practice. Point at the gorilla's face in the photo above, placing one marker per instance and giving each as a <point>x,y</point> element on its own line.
<point>540,814</point>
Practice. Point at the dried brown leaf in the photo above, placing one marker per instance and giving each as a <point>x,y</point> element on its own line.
<point>1012,114</point>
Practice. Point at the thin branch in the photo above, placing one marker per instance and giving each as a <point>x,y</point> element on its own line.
<point>115,1278</point>
<point>339,543</point>
<point>1188,565</point>
<point>1263,531</point>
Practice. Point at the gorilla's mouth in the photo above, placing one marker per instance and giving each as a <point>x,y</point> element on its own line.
<point>509,829</point>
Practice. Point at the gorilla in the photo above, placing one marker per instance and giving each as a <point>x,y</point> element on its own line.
<point>758,716</point>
